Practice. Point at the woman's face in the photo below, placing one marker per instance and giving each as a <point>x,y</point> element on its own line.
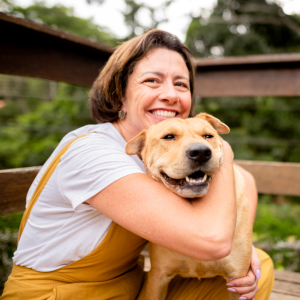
<point>157,89</point>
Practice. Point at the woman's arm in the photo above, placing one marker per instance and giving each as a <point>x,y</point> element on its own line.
<point>251,191</point>
<point>202,228</point>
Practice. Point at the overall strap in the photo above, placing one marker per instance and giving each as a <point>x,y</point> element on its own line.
<point>42,184</point>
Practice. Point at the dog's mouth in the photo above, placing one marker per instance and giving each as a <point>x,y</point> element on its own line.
<point>196,179</point>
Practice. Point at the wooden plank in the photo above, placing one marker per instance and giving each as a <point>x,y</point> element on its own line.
<point>274,177</point>
<point>14,185</point>
<point>256,75</point>
<point>55,32</point>
<point>248,83</point>
<point>288,276</point>
<point>45,52</point>
<point>271,178</point>
<point>277,296</point>
<point>249,60</point>
<point>286,288</point>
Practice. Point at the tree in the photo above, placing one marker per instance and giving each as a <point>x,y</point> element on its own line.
<point>134,8</point>
<point>243,28</point>
<point>262,128</point>
<point>35,114</point>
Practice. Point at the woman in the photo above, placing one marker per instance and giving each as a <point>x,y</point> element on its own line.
<point>92,208</point>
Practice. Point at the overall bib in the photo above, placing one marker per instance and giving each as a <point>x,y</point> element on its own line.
<point>112,271</point>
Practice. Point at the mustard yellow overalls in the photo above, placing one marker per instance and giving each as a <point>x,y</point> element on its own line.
<point>112,271</point>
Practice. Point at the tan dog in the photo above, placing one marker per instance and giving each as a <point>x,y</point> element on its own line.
<point>184,155</point>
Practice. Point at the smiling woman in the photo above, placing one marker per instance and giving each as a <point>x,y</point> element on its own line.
<point>93,208</point>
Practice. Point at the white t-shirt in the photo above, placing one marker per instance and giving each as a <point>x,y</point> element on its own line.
<point>61,229</point>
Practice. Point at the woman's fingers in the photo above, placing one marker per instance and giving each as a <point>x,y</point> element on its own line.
<point>247,281</point>
<point>247,286</point>
<point>246,292</point>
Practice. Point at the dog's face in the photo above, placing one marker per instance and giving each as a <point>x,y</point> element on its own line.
<point>182,154</point>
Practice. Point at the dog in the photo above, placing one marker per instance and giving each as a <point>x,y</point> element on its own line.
<point>184,155</point>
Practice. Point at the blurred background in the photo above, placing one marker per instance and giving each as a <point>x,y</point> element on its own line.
<point>35,114</point>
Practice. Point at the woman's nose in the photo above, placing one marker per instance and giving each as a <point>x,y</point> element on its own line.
<point>169,94</point>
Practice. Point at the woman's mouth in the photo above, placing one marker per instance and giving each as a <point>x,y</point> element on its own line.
<point>164,113</point>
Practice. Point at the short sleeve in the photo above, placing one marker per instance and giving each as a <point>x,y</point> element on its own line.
<point>90,165</point>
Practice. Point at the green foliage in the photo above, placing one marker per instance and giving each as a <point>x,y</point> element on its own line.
<point>278,224</point>
<point>261,128</point>
<point>61,17</point>
<point>34,118</point>
<point>11,222</point>
<point>131,14</point>
<point>242,28</point>
<point>34,135</point>
<point>9,226</point>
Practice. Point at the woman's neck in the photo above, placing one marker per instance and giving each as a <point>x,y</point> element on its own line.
<point>125,132</point>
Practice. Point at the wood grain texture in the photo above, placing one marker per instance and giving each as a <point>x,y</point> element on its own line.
<point>249,60</point>
<point>44,52</point>
<point>277,296</point>
<point>274,177</point>
<point>51,31</point>
<point>255,75</point>
<point>286,288</point>
<point>247,82</point>
<point>14,185</point>
<point>288,276</point>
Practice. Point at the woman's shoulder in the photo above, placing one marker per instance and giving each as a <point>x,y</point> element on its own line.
<point>105,131</point>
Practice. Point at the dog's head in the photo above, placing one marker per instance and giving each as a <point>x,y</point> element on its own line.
<point>182,154</point>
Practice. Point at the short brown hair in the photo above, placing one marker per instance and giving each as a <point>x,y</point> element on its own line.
<point>106,95</point>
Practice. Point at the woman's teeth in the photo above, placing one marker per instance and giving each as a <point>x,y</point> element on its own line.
<point>164,113</point>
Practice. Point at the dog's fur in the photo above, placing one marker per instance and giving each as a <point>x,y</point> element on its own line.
<point>165,152</point>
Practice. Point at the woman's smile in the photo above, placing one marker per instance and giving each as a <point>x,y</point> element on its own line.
<point>163,114</point>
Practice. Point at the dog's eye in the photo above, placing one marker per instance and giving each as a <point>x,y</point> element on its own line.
<point>169,137</point>
<point>208,136</point>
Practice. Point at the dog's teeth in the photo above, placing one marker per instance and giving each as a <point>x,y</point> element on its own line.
<point>187,179</point>
<point>204,178</point>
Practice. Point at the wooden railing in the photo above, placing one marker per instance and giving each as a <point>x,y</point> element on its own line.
<point>35,50</point>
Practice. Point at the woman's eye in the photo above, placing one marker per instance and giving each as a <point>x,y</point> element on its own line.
<point>169,137</point>
<point>151,80</point>
<point>181,84</point>
<point>208,136</point>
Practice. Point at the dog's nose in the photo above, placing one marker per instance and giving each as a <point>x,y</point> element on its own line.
<point>199,153</point>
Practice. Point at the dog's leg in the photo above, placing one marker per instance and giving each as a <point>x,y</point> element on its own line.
<point>234,296</point>
<point>157,284</point>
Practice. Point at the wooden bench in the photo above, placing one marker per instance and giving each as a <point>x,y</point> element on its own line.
<point>45,52</point>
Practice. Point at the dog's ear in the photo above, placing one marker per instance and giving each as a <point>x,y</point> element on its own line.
<point>136,144</point>
<point>214,122</point>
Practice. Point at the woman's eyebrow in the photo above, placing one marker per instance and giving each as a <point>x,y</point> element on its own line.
<point>162,74</point>
<point>154,72</point>
<point>182,77</point>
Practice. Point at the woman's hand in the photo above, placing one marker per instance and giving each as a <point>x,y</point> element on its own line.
<point>247,286</point>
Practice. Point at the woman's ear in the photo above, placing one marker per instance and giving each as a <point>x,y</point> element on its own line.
<point>214,122</point>
<point>136,144</point>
